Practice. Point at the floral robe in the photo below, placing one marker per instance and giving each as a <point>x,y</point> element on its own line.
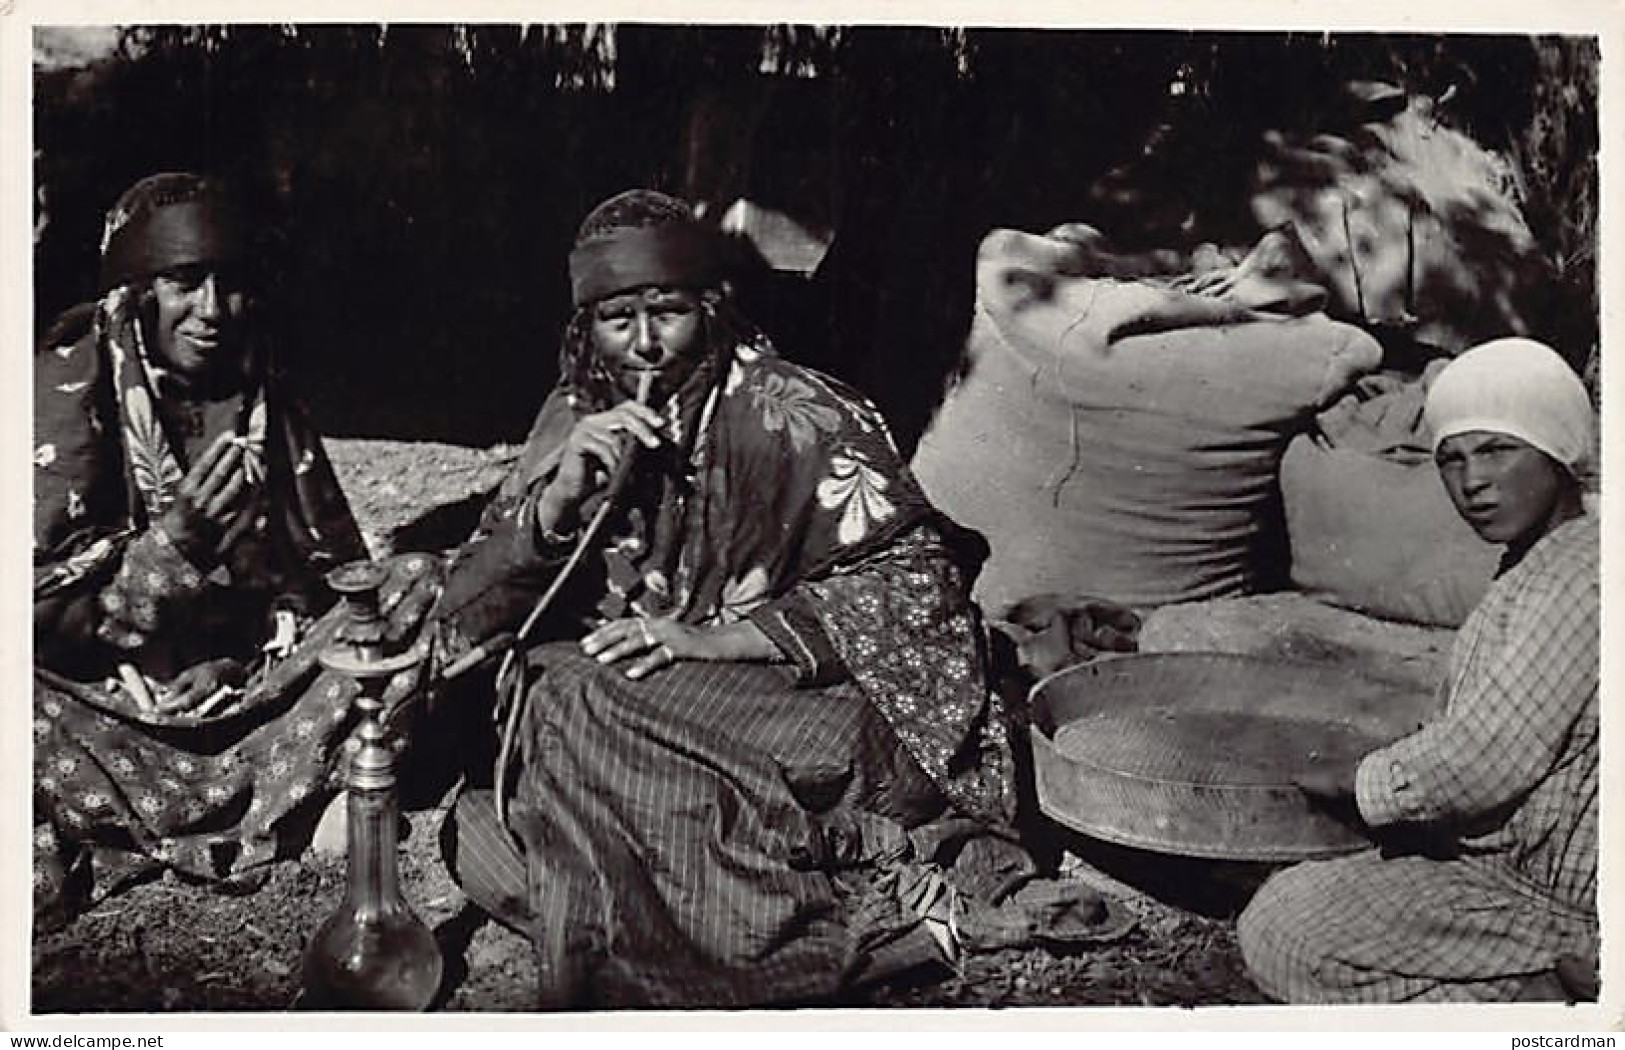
<point>213,796</point>
<point>682,839</point>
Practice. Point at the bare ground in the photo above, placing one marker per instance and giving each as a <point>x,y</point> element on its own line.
<point>170,946</point>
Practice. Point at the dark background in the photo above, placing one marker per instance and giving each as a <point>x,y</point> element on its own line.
<point>421,184</point>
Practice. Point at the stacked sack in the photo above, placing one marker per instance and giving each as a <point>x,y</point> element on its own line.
<point>1123,437</point>
<point>1370,523</point>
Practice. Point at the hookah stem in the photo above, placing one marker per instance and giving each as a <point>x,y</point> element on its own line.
<point>589,535</point>
<point>623,470</point>
<point>502,641</point>
<point>612,492</point>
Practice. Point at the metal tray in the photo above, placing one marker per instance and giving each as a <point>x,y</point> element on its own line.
<point>1195,753</point>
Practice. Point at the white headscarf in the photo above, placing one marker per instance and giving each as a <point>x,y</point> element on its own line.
<point>1519,387</point>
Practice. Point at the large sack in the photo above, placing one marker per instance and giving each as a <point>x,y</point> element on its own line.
<point>1290,625</point>
<point>1379,535</point>
<point>1369,522</point>
<point>1135,467</point>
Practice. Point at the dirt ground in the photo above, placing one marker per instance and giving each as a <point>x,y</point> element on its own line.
<point>169,946</point>
<point>166,946</point>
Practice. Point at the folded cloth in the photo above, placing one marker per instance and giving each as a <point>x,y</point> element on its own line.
<point>1277,276</point>
<point>1122,298</point>
<point>1369,525</point>
<point>1044,912</point>
<point>1052,632</point>
<point>983,894</point>
<point>1382,415</point>
<point>1163,290</point>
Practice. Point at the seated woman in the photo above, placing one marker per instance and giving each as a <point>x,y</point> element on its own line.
<point>1485,883</point>
<point>754,730</point>
<point>184,516</point>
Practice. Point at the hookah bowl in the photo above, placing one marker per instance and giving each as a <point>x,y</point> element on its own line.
<point>373,952</point>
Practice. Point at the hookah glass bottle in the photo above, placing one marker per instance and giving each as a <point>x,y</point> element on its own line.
<point>373,952</point>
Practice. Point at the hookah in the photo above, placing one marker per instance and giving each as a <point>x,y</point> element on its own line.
<point>372,952</point>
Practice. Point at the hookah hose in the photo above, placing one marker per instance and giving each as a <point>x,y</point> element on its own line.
<point>510,677</point>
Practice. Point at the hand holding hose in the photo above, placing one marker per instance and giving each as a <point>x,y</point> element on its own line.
<point>590,457</point>
<point>597,454</point>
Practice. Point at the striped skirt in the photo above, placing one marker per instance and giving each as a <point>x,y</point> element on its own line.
<point>712,836</point>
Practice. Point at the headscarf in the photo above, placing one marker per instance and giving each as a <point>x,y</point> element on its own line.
<point>1518,387</point>
<point>636,239</point>
<point>99,418</point>
<point>166,221</point>
<point>640,238</point>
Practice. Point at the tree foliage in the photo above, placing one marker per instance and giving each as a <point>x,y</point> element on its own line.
<point>421,183</point>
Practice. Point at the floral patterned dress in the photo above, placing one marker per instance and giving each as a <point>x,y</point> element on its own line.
<point>714,835</point>
<point>118,787</point>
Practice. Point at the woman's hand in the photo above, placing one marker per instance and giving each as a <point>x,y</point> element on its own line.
<point>197,684</point>
<point>409,592</point>
<point>591,453</point>
<point>647,645</point>
<point>208,500</point>
<point>1330,788</point>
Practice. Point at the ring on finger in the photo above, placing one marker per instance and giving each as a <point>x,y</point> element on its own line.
<point>665,651</point>
<point>643,628</point>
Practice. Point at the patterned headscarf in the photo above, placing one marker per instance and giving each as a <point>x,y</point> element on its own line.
<point>1518,387</point>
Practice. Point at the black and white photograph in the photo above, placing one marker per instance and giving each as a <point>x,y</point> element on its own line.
<point>570,517</point>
